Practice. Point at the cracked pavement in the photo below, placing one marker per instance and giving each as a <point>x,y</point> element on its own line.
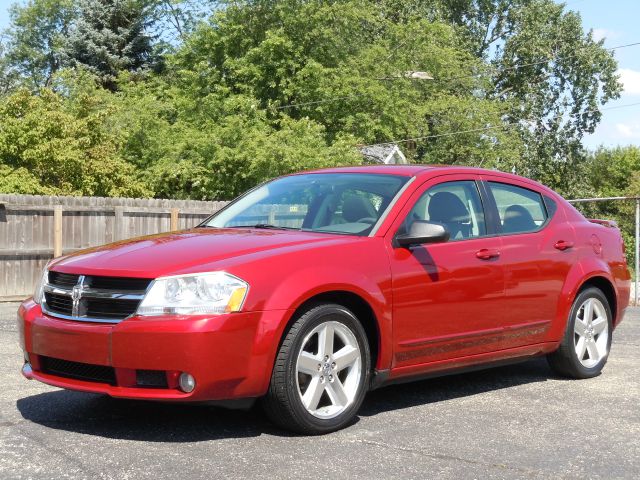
<point>518,421</point>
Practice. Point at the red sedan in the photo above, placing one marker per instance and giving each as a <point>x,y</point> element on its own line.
<point>312,289</point>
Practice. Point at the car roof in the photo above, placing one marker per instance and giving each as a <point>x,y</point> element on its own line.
<point>408,170</point>
<point>403,170</point>
<point>423,170</point>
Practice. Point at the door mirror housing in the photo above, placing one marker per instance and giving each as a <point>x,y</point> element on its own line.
<point>422,232</point>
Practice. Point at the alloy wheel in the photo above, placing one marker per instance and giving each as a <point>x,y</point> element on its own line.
<point>328,370</point>
<point>591,332</point>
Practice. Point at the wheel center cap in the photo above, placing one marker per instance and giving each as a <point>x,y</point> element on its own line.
<point>326,369</point>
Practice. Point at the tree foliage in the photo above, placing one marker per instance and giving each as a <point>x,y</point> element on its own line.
<point>65,144</point>
<point>109,37</point>
<point>152,97</point>
<point>36,35</point>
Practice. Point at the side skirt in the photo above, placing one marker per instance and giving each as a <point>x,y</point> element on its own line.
<point>382,378</point>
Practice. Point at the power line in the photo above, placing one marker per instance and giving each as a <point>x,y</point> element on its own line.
<point>482,129</point>
<point>439,80</point>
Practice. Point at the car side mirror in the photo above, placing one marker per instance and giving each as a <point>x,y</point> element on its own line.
<point>421,232</point>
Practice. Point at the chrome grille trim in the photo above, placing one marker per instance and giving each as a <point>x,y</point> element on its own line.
<point>97,293</point>
<point>80,319</point>
<point>81,294</point>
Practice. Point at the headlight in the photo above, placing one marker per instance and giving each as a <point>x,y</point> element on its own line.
<point>198,294</point>
<point>44,278</point>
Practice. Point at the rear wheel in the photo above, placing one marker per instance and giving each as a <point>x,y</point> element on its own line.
<point>585,347</point>
<point>321,372</point>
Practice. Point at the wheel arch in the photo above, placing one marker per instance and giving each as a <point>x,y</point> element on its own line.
<point>362,310</point>
<point>589,271</point>
<point>606,287</point>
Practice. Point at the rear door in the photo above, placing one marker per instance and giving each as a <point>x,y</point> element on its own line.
<point>447,297</point>
<point>537,253</point>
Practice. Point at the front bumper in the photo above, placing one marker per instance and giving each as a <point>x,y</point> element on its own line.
<point>230,356</point>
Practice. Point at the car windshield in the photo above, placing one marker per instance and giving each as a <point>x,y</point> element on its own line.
<point>345,203</point>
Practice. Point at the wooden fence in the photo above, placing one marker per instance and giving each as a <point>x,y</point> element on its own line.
<point>34,229</point>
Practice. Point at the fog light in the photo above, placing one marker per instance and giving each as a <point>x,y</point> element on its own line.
<point>187,382</point>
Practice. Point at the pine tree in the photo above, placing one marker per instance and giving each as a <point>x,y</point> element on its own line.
<point>109,37</point>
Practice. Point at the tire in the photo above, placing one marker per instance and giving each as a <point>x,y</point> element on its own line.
<point>585,346</point>
<point>310,393</point>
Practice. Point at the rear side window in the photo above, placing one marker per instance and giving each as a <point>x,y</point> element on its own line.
<point>520,209</point>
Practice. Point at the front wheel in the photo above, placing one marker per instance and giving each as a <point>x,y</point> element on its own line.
<point>585,347</point>
<point>321,372</point>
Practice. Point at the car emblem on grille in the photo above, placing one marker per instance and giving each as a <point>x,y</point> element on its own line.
<point>76,295</point>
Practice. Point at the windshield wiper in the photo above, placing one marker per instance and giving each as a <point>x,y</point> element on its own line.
<point>265,226</point>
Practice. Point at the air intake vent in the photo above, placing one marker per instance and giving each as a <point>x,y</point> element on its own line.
<point>78,371</point>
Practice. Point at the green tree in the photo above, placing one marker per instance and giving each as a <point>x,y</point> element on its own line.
<point>554,75</point>
<point>614,172</point>
<point>343,65</point>
<point>8,74</point>
<point>611,169</point>
<point>174,20</point>
<point>65,144</point>
<point>214,148</point>
<point>110,36</point>
<point>266,87</point>
<point>35,36</point>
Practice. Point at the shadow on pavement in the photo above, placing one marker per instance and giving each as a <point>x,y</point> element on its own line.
<point>164,422</point>
<point>449,387</point>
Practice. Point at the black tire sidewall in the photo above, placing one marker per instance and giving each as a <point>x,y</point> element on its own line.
<point>587,372</point>
<point>317,316</point>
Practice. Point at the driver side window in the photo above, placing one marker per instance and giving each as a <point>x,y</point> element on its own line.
<point>455,205</point>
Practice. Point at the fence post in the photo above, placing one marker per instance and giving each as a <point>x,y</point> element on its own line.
<point>57,231</point>
<point>118,223</point>
<point>637,247</point>
<point>173,224</point>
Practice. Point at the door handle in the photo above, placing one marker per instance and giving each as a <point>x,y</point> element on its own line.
<point>563,245</point>
<point>487,253</point>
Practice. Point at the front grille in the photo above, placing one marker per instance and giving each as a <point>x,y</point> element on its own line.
<point>63,279</point>
<point>119,283</point>
<point>78,371</point>
<point>110,308</point>
<point>58,303</point>
<point>98,298</point>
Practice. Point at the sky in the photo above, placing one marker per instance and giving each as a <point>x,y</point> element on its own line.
<point>617,22</point>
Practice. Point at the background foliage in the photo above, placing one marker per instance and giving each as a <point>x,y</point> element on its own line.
<point>203,99</point>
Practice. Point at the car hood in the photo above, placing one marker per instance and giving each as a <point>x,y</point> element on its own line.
<point>186,251</point>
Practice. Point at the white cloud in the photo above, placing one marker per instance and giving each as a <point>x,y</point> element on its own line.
<point>600,33</point>
<point>628,130</point>
<point>631,81</point>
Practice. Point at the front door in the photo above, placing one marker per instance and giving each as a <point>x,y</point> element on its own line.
<point>446,296</point>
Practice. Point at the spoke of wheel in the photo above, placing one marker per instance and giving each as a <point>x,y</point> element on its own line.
<point>587,315</point>
<point>580,327</point>
<point>345,357</point>
<point>581,347</point>
<point>593,350</point>
<point>308,363</point>
<point>599,325</point>
<point>325,341</point>
<point>336,393</point>
<point>312,396</point>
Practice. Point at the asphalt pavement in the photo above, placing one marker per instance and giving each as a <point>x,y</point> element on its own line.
<point>519,421</point>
